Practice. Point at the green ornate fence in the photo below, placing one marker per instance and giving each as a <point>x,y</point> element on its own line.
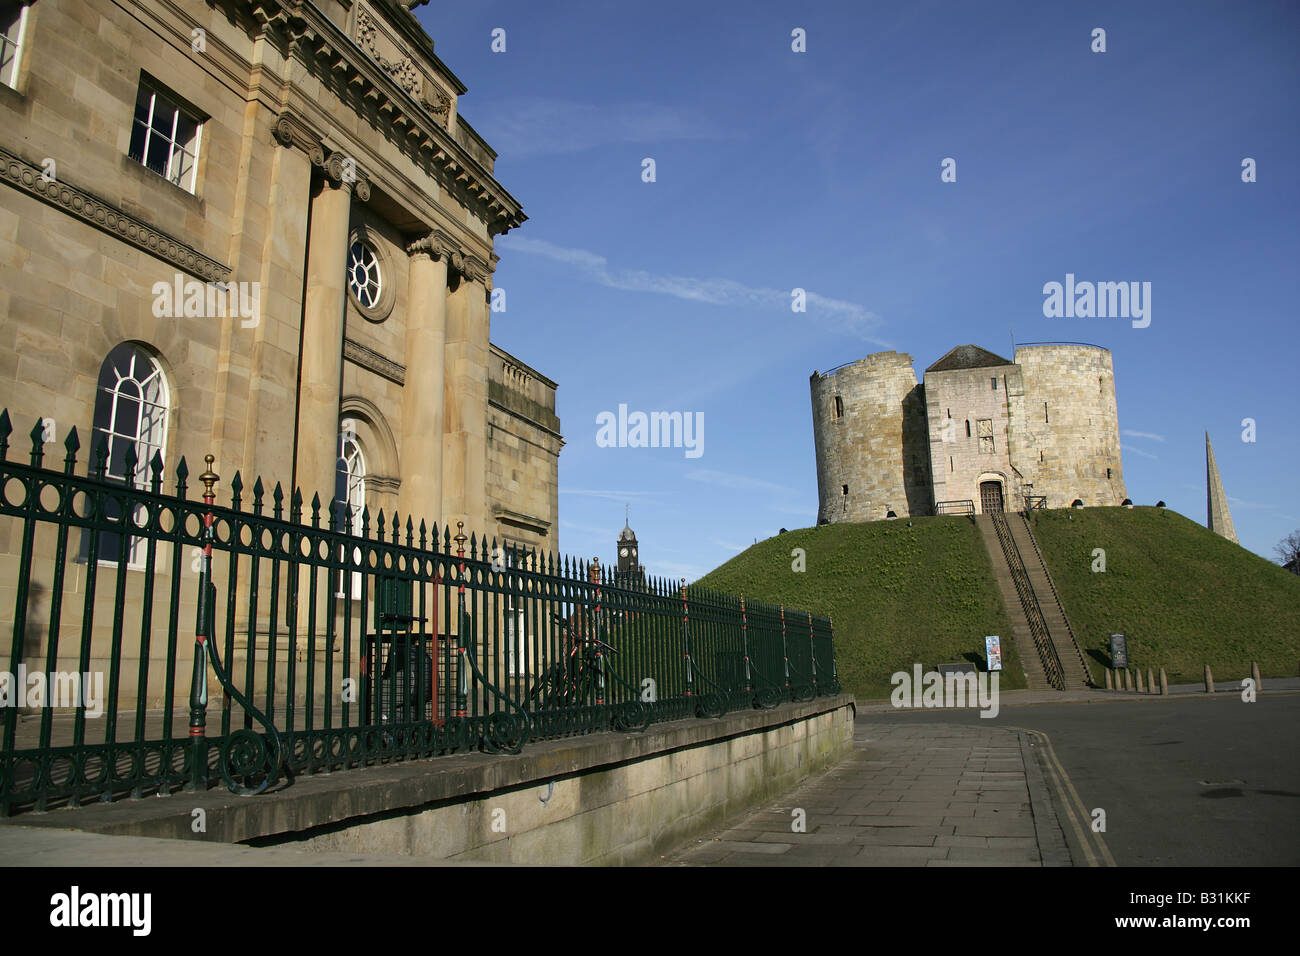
<point>250,640</point>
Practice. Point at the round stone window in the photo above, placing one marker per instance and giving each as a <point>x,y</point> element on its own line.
<point>364,277</point>
<point>369,279</point>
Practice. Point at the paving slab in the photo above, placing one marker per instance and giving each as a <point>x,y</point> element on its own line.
<point>908,795</point>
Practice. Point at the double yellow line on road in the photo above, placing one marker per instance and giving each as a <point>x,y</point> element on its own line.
<point>1094,846</point>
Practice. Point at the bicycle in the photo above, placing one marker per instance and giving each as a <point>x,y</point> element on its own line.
<point>581,680</point>
<point>577,679</point>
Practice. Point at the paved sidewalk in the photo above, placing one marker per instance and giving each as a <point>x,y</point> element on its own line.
<point>914,795</point>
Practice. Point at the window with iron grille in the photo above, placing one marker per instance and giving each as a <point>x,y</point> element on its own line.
<point>165,137</point>
<point>13,40</point>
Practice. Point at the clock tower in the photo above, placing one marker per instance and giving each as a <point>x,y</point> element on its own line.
<point>630,571</point>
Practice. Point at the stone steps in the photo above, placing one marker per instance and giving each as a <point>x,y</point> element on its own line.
<point>1077,675</point>
<point>1035,678</point>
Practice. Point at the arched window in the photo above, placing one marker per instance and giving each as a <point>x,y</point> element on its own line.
<point>131,405</point>
<point>350,493</point>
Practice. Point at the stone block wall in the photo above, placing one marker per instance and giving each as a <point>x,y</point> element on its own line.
<point>881,442</point>
<point>872,443</point>
<point>524,445</point>
<point>1069,447</point>
<point>960,464</point>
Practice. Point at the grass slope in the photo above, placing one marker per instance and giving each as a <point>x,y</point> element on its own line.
<point>1184,596</point>
<point>897,595</point>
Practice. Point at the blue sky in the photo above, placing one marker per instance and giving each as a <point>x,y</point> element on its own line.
<point>821,170</point>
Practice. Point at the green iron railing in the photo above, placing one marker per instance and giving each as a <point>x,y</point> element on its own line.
<point>326,642</point>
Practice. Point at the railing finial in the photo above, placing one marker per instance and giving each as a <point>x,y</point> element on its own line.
<point>209,478</point>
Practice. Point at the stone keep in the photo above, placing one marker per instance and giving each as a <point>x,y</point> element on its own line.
<point>981,429</point>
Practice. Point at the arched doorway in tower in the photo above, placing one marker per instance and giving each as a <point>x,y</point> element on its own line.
<point>991,497</point>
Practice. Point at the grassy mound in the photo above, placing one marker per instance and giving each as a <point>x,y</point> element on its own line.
<point>897,595</point>
<point>1184,596</point>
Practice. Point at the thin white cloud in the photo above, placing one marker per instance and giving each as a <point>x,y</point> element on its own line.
<point>535,126</point>
<point>611,494</point>
<point>1130,450</point>
<point>675,570</point>
<point>726,479</point>
<point>847,317</point>
<point>585,528</point>
<point>1150,435</point>
<point>729,545</point>
<point>1246,505</point>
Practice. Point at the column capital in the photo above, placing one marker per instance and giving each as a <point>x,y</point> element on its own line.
<point>342,172</point>
<point>291,131</point>
<point>435,244</point>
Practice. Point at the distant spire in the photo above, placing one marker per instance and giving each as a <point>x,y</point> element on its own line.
<point>1217,518</point>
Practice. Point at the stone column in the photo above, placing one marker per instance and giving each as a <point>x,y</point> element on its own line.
<point>321,373</point>
<point>420,495</point>
<point>465,390</point>
<point>320,376</point>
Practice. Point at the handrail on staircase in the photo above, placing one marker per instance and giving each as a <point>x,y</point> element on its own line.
<point>1047,573</point>
<point>1051,661</point>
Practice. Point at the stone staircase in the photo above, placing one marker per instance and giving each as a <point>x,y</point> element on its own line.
<point>1039,628</point>
<point>1077,674</point>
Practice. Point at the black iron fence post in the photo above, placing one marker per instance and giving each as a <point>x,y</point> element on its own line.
<point>785,653</point>
<point>462,672</point>
<point>593,576</point>
<point>812,650</point>
<point>202,633</point>
<point>744,642</point>
<point>686,641</point>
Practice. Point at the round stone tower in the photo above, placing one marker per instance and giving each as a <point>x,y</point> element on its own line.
<point>871,440</point>
<point>1068,446</point>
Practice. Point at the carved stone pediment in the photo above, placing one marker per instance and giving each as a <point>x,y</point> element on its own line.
<point>387,50</point>
<point>388,53</point>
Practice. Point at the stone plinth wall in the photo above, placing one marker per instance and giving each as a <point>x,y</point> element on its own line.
<point>604,799</point>
<point>1066,448</point>
<point>616,813</point>
<point>876,446</point>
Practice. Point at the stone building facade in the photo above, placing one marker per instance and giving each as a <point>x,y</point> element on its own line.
<point>980,434</point>
<point>311,154</point>
<point>261,230</point>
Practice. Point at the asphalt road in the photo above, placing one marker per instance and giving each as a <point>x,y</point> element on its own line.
<point>1199,781</point>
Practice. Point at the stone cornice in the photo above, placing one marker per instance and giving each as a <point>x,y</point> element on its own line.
<point>109,217</point>
<point>370,359</point>
<point>362,82</point>
<point>528,522</point>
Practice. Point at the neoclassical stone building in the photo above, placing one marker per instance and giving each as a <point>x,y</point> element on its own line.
<point>980,434</point>
<point>307,162</point>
